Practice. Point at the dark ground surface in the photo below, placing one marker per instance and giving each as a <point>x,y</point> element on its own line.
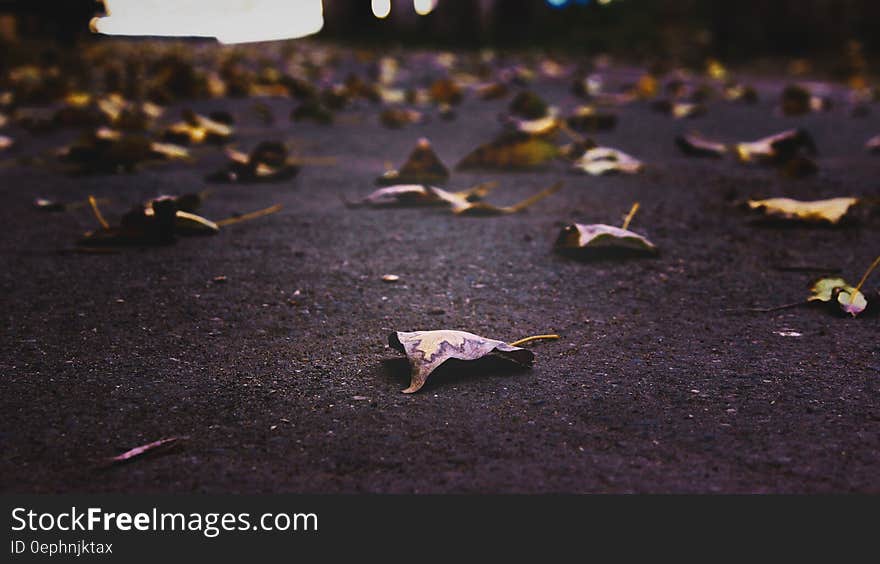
<point>652,388</point>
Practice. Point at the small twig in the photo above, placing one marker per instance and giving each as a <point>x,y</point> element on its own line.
<point>765,309</point>
<point>533,338</point>
<point>864,279</point>
<point>630,215</point>
<point>248,216</point>
<point>100,217</point>
<point>143,449</point>
<point>534,199</point>
<point>807,268</point>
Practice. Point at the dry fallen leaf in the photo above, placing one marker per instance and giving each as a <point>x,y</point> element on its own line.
<point>587,119</point>
<point>605,160</point>
<point>427,350</point>
<point>848,298</point>
<point>268,162</point>
<point>405,195</point>
<point>776,149</point>
<point>196,129</point>
<point>598,239</point>
<point>479,208</point>
<point>422,167</point>
<point>695,145</point>
<point>819,211</point>
<point>511,151</point>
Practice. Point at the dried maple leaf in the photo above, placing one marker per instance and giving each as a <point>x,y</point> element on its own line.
<point>511,151</point>
<point>422,167</point>
<point>596,240</point>
<point>605,160</point>
<point>427,350</point>
<point>695,145</point>
<point>830,211</point>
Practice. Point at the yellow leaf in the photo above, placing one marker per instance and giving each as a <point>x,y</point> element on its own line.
<point>831,210</point>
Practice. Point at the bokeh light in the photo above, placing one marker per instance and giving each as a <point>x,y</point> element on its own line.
<point>381,8</point>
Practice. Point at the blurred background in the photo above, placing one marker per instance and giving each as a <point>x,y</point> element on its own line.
<point>734,30</point>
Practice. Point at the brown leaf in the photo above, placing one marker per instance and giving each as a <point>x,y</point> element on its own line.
<point>511,151</point>
<point>422,167</point>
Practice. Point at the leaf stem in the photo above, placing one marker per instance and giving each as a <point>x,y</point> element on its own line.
<point>630,215</point>
<point>248,216</point>
<point>98,215</point>
<point>864,279</point>
<point>533,338</point>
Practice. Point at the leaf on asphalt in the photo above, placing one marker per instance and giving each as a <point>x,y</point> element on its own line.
<point>268,162</point>
<point>511,151</point>
<point>600,240</point>
<point>446,91</point>
<point>479,208</point>
<point>110,150</point>
<point>159,222</point>
<point>587,119</point>
<point>695,145</point>
<point>679,110</point>
<point>831,211</point>
<point>428,350</point>
<point>414,195</point>
<point>422,167</point>
<point>492,91</point>
<point>396,118</point>
<point>528,113</point>
<point>528,106</point>
<point>149,448</point>
<point>848,298</point>
<point>737,92</point>
<point>776,149</point>
<point>196,129</point>
<point>312,110</point>
<point>796,100</point>
<point>605,160</point>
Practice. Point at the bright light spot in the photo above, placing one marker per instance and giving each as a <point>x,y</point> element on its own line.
<point>604,2</point>
<point>557,3</point>
<point>424,7</point>
<point>230,21</point>
<point>381,8</point>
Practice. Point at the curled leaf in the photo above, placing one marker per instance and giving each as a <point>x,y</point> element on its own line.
<point>695,145</point>
<point>511,151</point>
<point>601,240</point>
<point>776,149</point>
<point>268,162</point>
<point>422,167</point>
<point>395,118</point>
<point>849,299</point>
<point>405,195</point>
<point>464,206</point>
<point>605,160</point>
<point>831,211</point>
<point>427,350</point>
<point>586,119</point>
